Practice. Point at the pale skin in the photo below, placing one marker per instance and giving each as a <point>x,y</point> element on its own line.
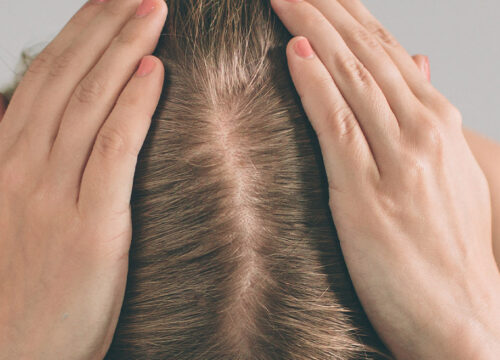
<point>411,204</point>
<point>68,148</point>
<point>69,141</point>
<point>486,152</point>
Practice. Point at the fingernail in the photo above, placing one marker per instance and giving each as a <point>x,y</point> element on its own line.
<point>146,7</point>
<point>146,66</point>
<point>303,48</point>
<point>427,67</point>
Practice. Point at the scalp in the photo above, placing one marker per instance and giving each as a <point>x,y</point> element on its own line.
<point>234,253</point>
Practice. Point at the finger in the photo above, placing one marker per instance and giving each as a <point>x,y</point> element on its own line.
<point>107,181</point>
<point>30,86</point>
<point>70,67</point>
<point>426,93</point>
<point>369,51</point>
<point>355,83</point>
<point>3,106</point>
<point>96,95</point>
<point>346,154</point>
<point>423,64</point>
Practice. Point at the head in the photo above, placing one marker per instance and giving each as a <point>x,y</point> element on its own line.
<point>234,252</point>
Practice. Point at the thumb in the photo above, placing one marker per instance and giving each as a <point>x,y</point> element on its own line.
<point>423,63</point>
<point>3,105</point>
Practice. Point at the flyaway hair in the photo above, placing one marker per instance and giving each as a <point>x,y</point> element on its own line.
<point>234,252</point>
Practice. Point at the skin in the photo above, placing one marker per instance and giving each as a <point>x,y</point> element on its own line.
<point>66,149</point>
<point>69,142</point>
<point>486,152</point>
<point>411,203</point>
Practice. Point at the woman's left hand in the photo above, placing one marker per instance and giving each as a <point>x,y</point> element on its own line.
<point>410,202</point>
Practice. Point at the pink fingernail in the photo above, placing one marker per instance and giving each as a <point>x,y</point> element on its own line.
<point>303,48</point>
<point>427,65</point>
<point>146,66</point>
<point>146,7</point>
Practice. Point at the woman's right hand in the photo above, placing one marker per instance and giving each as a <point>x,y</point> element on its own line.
<point>69,142</point>
<point>410,202</point>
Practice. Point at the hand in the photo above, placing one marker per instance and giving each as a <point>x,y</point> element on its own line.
<point>69,142</point>
<point>411,205</point>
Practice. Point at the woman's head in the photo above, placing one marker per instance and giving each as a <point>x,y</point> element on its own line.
<point>234,253</point>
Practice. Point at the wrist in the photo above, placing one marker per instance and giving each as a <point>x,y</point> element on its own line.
<point>459,333</point>
<point>482,341</point>
<point>482,332</point>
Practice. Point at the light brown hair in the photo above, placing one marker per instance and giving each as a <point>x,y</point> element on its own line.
<point>234,252</point>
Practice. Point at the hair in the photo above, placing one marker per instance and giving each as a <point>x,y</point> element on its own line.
<point>234,252</point>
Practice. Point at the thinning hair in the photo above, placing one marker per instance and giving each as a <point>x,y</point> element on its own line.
<point>234,252</point>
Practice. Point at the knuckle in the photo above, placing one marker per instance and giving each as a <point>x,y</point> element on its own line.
<point>110,142</point>
<point>61,63</point>
<point>384,36</point>
<point>393,76</point>
<point>354,70</point>
<point>363,36</point>
<point>41,63</point>
<point>322,83</point>
<point>450,114</point>
<point>341,122</point>
<point>412,169</point>
<point>432,134</point>
<point>89,90</point>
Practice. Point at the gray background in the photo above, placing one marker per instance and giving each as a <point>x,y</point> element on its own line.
<point>460,37</point>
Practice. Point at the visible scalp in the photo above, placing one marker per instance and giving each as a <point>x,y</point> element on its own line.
<point>234,254</point>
